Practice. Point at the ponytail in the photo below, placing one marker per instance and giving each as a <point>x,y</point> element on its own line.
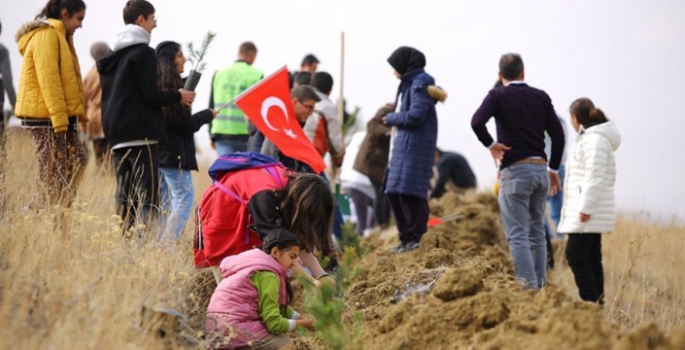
<point>597,116</point>
<point>585,112</point>
<point>53,8</point>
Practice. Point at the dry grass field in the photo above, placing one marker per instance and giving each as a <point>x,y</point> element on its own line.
<point>87,288</point>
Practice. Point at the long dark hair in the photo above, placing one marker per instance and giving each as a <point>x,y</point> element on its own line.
<point>586,113</point>
<point>307,205</point>
<point>53,8</point>
<point>168,78</point>
<point>281,240</point>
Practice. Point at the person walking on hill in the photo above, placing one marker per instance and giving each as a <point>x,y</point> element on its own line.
<point>522,115</point>
<point>51,99</point>
<point>309,65</point>
<point>177,154</point>
<point>230,130</point>
<point>412,148</point>
<point>372,160</point>
<point>93,92</point>
<point>323,127</point>
<point>359,188</point>
<point>589,205</point>
<point>132,116</point>
<point>454,169</point>
<point>6,85</point>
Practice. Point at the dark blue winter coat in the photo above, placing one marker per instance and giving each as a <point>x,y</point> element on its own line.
<point>413,153</point>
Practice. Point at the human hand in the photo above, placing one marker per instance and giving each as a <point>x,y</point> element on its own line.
<point>306,323</point>
<point>214,113</point>
<point>326,279</point>
<point>187,97</point>
<point>61,143</point>
<point>497,151</point>
<point>585,217</point>
<point>554,183</point>
<point>297,266</point>
<point>385,122</point>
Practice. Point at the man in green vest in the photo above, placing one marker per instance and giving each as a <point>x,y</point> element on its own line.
<point>229,130</point>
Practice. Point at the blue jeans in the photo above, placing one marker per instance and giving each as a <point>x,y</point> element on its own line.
<point>556,202</point>
<point>229,146</point>
<point>522,200</point>
<point>178,195</point>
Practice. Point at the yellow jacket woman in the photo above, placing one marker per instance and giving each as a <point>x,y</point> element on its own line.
<point>50,87</point>
<point>51,100</point>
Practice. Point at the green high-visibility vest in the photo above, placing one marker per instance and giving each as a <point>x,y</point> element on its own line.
<point>227,85</point>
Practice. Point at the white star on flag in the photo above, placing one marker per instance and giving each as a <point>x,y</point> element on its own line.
<point>290,133</point>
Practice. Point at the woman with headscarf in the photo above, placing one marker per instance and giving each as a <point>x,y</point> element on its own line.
<point>412,148</point>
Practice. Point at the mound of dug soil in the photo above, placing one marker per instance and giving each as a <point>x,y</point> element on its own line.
<point>475,303</point>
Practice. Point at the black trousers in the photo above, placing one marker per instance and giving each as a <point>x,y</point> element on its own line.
<point>411,214</point>
<point>381,207</point>
<point>584,255</point>
<point>137,171</point>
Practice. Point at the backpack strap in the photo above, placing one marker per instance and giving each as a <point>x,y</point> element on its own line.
<point>271,170</point>
<point>224,189</point>
<point>274,173</point>
<point>200,236</point>
<point>235,196</point>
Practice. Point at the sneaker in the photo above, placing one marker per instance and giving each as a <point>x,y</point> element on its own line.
<point>408,247</point>
<point>398,248</point>
<point>413,245</point>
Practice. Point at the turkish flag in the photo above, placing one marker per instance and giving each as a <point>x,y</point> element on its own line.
<point>269,106</point>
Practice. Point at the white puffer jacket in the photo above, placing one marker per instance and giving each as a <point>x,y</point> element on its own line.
<point>590,179</point>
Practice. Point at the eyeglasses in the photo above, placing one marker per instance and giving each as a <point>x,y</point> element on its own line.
<point>309,107</point>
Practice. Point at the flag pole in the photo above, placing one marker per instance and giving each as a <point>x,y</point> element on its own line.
<point>341,109</point>
<point>341,103</point>
<point>259,83</point>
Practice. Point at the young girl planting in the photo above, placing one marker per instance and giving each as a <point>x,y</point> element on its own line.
<point>253,196</point>
<point>249,308</point>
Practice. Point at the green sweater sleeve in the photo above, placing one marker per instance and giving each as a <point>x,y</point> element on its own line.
<point>268,285</point>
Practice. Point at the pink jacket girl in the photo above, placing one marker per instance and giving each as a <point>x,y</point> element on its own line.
<point>249,308</point>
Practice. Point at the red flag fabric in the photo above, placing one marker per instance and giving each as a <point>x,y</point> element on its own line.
<point>269,107</point>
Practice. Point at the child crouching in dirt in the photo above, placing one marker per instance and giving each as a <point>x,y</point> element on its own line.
<point>589,207</point>
<point>253,196</point>
<point>249,309</point>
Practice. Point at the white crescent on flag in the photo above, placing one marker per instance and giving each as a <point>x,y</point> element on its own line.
<point>273,102</point>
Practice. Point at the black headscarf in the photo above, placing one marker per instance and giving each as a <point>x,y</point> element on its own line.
<point>406,59</point>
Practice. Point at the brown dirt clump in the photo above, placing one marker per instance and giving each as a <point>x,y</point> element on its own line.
<point>459,283</point>
<point>475,303</point>
<point>306,343</point>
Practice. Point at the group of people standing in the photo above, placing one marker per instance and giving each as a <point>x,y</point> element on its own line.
<point>524,116</point>
<point>121,102</point>
<point>135,108</point>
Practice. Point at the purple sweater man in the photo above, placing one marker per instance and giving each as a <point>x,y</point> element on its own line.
<point>522,115</point>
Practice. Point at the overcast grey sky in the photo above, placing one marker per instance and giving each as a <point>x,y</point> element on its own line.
<point>627,56</point>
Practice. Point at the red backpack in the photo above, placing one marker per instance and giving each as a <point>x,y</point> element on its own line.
<point>222,217</point>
